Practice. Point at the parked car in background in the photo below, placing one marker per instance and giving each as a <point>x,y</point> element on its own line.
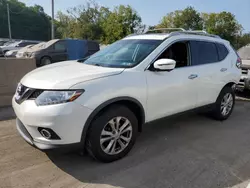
<point>61,50</point>
<point>101,104</point>
<point>2,43</point>
<point>16,46</point>
<point>244,54</point>
<point>22,51</point>
<point>11,53</point>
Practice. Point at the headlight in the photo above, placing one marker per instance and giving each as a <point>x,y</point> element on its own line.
<point>57,97</point>
<point>32,54</point>
<point>9,53</point>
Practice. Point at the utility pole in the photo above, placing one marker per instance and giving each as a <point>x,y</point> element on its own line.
<point>8,13</point>
<point>52,21</point>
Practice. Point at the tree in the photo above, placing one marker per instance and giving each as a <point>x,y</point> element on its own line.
<point>26,22</point>
<point>223,24</point>
<point>122,21</point>
<point>188,19</point>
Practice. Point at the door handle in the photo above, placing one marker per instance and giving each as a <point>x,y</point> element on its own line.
<point>193,76</point>
<point>223,69</point>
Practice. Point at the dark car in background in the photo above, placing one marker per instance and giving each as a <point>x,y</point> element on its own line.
<point>61,50</point>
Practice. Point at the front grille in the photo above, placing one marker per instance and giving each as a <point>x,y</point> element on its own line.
<point>35,94</point>
<point>23,93</point>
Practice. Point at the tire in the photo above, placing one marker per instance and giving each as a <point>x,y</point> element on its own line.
<point>45,61</point>
<point>218,111</point>
<point>102,123</point>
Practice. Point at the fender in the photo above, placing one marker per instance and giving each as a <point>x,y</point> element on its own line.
<point>105,104</point>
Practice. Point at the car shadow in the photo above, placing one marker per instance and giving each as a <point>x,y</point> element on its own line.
<point>189,150</point>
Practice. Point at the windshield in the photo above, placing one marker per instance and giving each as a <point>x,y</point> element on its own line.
<point>124,53</point>
<point>244,53</point>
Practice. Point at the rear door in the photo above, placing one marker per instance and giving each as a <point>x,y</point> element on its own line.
<point>59,51</point>
<point>211,65</point>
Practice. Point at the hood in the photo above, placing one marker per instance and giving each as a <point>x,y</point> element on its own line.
<point>64,75</point>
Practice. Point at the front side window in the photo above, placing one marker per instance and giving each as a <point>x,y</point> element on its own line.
<point>178,52</point>
<point>203,52</point>
<point>124,53</point>
<point>60,46</point>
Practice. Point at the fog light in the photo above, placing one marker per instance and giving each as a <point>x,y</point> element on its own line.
<point>48,133</point>
<point>45,133</point>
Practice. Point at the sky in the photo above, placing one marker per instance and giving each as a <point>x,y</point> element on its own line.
<point>152,11</point>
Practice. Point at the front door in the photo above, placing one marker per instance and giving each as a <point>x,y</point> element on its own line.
<point>175,91</point>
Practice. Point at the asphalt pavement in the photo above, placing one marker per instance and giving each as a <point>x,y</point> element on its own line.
<point>188,151</point>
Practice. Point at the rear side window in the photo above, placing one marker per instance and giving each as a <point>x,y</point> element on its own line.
<point>222,51</point>
<point>203,52</point>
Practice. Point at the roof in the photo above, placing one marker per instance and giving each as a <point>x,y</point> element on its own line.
<point>147,36</point>
<point>163,33</point>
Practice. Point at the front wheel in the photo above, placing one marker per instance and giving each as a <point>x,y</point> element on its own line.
<point>224,104</point>
<point>45,61</point>
<point>112,134</point>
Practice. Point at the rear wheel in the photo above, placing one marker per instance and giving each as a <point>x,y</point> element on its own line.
<point>224,104</point>
<point>112,134</point>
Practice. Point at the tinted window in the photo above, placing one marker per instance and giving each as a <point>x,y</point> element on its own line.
<point>60,46</point>
<point>203,52</point>
<point>222,51</point>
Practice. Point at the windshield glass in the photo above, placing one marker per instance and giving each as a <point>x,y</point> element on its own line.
<point>244,53</point>
<point>124,53</point>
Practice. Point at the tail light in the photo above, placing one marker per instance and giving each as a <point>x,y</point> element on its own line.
<point>238,62</point>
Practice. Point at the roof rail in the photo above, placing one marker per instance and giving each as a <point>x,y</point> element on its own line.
<point>203,33</point>
<point>164,30</point>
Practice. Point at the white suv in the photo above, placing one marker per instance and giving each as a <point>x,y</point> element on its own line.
<point>102,102</point>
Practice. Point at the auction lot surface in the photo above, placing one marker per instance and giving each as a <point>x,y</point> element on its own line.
<point>189,151</point>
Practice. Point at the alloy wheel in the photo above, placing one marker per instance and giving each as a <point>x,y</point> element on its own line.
<point>226,104</point>
<point>116,135</point>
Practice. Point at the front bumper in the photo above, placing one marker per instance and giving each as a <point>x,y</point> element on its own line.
<point>28,138</point>
<point>66,120</point>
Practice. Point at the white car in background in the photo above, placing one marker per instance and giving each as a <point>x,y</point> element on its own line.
<point>102,103</point>
<point>15,46</point>
<point>244,54</point>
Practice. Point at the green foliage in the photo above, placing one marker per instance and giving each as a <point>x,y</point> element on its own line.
<point>223,24</point>
<point>120,23</point>
<point>92,21</point>
<point>188,19</point>
<point>26,22</point>
<point>95,22</point>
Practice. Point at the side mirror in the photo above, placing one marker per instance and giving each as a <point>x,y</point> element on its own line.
<point>165,64</point>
